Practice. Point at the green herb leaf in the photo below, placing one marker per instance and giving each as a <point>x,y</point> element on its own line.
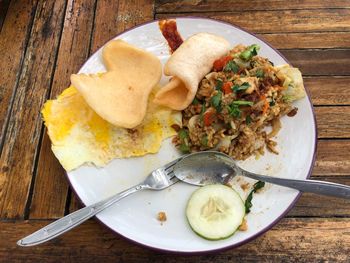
<point>244,86</point>
<point>248,119</point>
<point>234,110</point>
<point>231,66</point>
<point>242,103</point>
<point>259,73</point>
<point>248,202</point>
<point>195,101</point>
<point>219,84</point>
<point>204,141</point>
<point>249,52</point>
<point>184,148</point>
<point>183,134</point>
<point>202,110</point>
<point>215,101</point>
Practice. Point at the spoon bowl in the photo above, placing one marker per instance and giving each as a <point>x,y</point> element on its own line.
<point>203,168</point>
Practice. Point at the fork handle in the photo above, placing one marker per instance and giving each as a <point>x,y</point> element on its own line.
<point>74,219</point>
<point>309,186</point>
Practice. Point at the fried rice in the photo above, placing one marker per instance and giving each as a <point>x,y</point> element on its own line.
<point>235,103</point>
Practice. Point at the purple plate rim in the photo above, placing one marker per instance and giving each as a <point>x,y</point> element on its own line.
<point>259,233</point>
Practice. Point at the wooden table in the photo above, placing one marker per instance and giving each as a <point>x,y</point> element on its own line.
<point>43,42</point>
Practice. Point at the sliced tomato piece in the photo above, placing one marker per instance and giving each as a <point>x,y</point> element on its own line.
<point>220,63</point>
<point>227,87</point>
<point>208,118</point>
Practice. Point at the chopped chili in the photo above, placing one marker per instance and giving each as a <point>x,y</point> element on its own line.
<point>220,63</point>
<point>208,118</point>
<point>227,87</point>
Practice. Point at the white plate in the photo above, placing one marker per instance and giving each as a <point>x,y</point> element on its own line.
<point>135,217</point>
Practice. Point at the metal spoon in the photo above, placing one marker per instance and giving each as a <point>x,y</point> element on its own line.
<point>211,167</point>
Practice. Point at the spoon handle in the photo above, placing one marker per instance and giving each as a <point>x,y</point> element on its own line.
<point>309,186</point>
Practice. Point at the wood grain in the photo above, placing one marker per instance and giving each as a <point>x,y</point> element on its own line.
<point>17,26</point>
<point>51,187</point>
<point>17,160</point>
<point>282,21</point>
<point>75,203</point>
<point>320,62</point>
<point>333,122</point>
<point>4,4</point>
<point>328,239</point>
<point>328,90</point>
<point>170,6</point>
<point>332,158</point>
<point>129,13</point>
<point>308,40</point>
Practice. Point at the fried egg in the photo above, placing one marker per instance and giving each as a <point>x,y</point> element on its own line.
<point>80,136</point>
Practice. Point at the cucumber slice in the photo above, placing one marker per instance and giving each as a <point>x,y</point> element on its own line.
<point>215,211</point>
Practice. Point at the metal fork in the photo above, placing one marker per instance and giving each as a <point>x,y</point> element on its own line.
<point>158,179</point>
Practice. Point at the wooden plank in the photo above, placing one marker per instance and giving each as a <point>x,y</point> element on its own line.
<point>332,158</point>
<point>290,240</point>
<point>13,40</point>
<point>333,122</point>
<point>75,203</point>
<point>322,206</point>
<point>51,187</point>
<point>320,62</point>
<point>308,40</point>
<point>108,23</point>
<point>171,6</point>
<point>4,4</point>
<point>328,90</point>
<point>22,137</point>
<point>281,21</point>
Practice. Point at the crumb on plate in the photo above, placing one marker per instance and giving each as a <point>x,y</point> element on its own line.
<point>161,216</point>
<point>244,225</point>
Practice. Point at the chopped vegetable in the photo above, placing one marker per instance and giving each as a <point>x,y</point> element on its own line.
<point>202,111</point>
<point>216,101</point>
<point>265,107</point>
<point>248,202</point>
<point>219,83</point>
<point>195,101</point>
<point>272,102</point>
<point>250,52</point>
<point>242,103</point>
<point>204,141</point>
<point>244,86</point>
<point>184,148</point>
<point>221,62</point>
<point>259,73</point>
<point>234,110</point>
<point>227,87</point>
<point>248,119</point>
<point>183,134</point>
<point>208,118</point>
<point>231,66</point>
